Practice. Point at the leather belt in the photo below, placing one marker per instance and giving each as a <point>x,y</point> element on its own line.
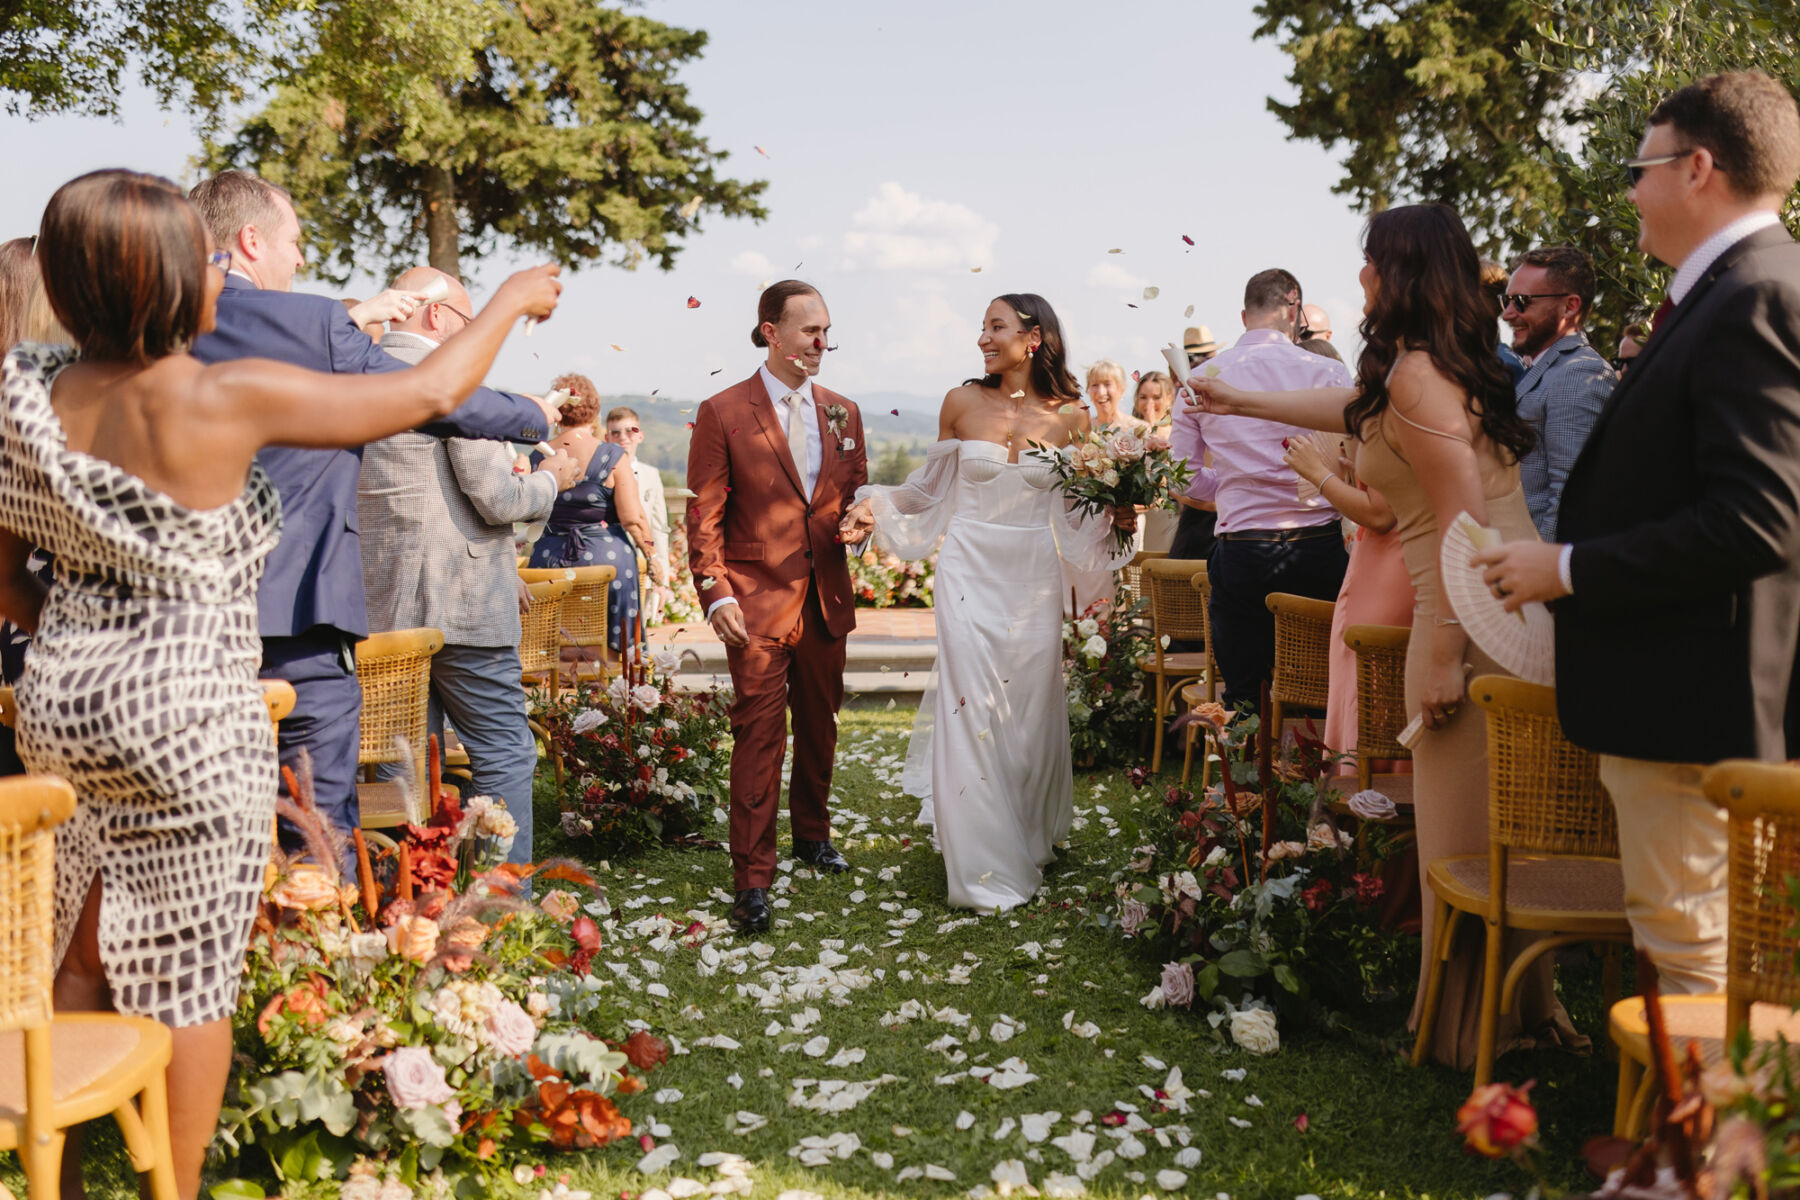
<point>1281,535</point>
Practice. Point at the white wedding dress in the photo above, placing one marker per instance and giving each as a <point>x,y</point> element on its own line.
<point>990,747</point>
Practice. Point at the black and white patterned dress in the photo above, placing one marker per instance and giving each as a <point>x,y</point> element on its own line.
<point>140,689</point>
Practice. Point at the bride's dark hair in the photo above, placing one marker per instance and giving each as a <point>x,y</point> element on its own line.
<point>1050,365</point>
<point>1429,296</point>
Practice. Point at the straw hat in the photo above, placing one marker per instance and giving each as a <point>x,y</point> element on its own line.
<point>1198,340</point>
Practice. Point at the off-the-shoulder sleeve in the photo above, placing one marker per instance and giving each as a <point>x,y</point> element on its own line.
<point>910,518</point>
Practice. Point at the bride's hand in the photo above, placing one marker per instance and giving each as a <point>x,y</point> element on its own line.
<point>1125,518</point>
<point>858,523</point>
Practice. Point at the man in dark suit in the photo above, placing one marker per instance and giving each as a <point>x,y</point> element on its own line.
<point>1677,580</point>
<point>310,605</point>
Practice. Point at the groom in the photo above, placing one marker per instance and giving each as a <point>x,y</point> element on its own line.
<point>773,464</point>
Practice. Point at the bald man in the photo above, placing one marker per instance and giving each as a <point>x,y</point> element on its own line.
<point>437,542</point>
<point>1314,323</point>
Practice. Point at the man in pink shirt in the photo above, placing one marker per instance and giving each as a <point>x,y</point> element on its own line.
<point>1269,539</point>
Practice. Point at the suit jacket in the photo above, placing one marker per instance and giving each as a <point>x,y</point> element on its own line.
<point>1560,395</point>
<point>1679,642</point>
<point>437,529</point>
<point>314,575</point>
<point>752,534</point>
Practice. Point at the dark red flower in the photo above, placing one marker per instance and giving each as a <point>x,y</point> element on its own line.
<point>1368,887</point>
<point>1317,895</point>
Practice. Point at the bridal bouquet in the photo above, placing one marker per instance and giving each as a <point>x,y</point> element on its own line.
<point>1118,466</point>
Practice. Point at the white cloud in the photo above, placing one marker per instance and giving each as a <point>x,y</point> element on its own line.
<point>752,262</point>
<point>1112,276</point>
<point>898,230</point>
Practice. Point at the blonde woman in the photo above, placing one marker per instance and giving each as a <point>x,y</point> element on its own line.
<point>1105,388</point>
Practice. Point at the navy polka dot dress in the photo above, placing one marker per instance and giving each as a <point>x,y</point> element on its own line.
<point>584,531</point>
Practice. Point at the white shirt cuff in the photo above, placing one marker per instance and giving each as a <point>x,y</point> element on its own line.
<point>716,605</point>
<point>1562,567</point>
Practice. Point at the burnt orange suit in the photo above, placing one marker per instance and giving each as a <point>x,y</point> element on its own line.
<point>754,535</point>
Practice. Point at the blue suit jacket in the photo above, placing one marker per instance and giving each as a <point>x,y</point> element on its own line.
<point>315,575</point>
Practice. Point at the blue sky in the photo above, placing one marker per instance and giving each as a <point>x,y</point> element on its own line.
<point>907,145</point>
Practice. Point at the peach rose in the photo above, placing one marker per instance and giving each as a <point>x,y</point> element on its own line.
<point>413,938</point>
<point>561,905</point>
<point>1497,1119</point>
<point>305,887</point>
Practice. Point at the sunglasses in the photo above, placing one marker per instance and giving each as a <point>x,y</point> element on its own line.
<point>1637,166</point>
<point>1619,364</point>
<point>622,430</point>
<point>1522,300</point>
<point>467,319</point>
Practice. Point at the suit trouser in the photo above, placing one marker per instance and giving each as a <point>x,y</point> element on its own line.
<point>325,725</point>
<point>1242,574</point>
<point>804,669</point>
<point>480,690</point>
<point>1673,845</point>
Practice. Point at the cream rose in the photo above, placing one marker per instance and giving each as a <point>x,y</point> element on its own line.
<point>413,937</point>
<point>415,1080</point>
<point>305,887</point>
<point>510,1030</point>
<point>646,696</point>
<point>1254,1030</point>
<point>1094,647</point>
<point>592,718</point>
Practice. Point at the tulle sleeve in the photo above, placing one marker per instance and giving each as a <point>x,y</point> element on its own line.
<point>1086,541</point>
<point>910,518</point>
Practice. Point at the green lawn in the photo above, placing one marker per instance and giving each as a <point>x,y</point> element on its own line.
<point>851,955</point>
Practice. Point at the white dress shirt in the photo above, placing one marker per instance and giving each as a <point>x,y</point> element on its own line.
<point>815,448</point>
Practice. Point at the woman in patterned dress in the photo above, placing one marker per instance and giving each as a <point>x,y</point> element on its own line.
<point>133,466</point>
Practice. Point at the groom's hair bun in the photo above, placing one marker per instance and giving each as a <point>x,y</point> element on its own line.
<point>773,303</point>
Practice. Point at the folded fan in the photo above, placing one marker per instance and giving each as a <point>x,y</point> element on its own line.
<point>1523,642</point>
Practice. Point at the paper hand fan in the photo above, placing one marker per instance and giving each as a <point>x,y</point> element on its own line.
<point>1523,642</point>
<point>1178,368</point>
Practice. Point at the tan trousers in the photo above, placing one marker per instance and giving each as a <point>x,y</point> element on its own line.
<point>1672,852</point>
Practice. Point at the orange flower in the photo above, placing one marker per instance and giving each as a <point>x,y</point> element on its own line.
<point>305,887</point>
<point>644,1051</point>
<point>465,936</point>
<point>305,1002</point>
<point>413,937</point>
<point>1497,1120</point>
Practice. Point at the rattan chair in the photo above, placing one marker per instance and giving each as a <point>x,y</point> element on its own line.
<point>394,670</point>
<point>59,1070</point>
<point>1131,582</point>
<point>1178,594</point>
<point>1380,714</point>
<point>584,621</point>
<point>1302,656</point>
<point>1762,805</point>
<point>540,632</point>
<point>1553,839</point>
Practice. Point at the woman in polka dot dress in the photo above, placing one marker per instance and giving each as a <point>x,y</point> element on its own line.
<point>599,522</point>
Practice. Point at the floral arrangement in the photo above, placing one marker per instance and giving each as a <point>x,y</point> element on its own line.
<point>1116,466</point>
<point>644,763</point>
<point>427,1034</point>
<point>886,581</point>
<point>684,607</point>
<point>1109,704</point>
<point>1257,904</point>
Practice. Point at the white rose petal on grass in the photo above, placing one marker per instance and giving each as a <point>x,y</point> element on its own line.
<point>1037,1126</point>
<point>1239,1122</point>
<point>1235,1074</point>
<point>1188,1157</point>
<point>1009,1174</point>
<point>719,1041</point>
<point>965,1119</point>
<point>1005,1130</point>
<point>1253,1101</point>
<point>816,1047</point>
<point>907,1173</point>
<point>681,1188</point>
<point>799,1194</point>
<point>1058,1186</point>
<point>735,1080</point>
<point>882,1159</point>
<point>847,1057</point>
<point>658,1159</point>
<point>1171,1181</point>
<point>1078,1145</point>
<point>667,1096</point>
<point>1151,1061</point>
<point>944,1174</point>
<point>749,1122</point>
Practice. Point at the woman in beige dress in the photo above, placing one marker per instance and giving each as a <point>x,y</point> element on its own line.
<point>1439,434</point>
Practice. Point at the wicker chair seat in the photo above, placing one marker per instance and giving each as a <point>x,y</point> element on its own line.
<point>81,1054</point>
<point>1553,889</point>
<point>1187,662</point>
<point>1701,1020</point>
<point>384,806</point>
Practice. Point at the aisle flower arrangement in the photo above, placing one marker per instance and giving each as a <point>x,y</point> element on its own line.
<point>886,581</point>
<point>684,607</point>
<point>1254,901</point>
<point>643,763</point>
<point>431,1034</point>
<point>1109,703</point>
<point>1117,466</point>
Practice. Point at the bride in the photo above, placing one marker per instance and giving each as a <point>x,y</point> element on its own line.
<point>990,749</point>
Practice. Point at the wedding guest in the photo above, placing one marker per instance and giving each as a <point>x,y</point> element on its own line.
<point>625,429</point>
<point>1494,281</point>
<point>1680,521</point>
<point>1105,388</point>
<point>437,527</point>
<point>1198,344</point>
<point>1631,343</point>
<point>135,466</point>
<point>1439,435</point>
<point>1566,381</point>
<point>1268,539</point>
<point>599,522</point>
<point>1315,325</point>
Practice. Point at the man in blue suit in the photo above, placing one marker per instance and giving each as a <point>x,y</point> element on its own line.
<point>310,605</point>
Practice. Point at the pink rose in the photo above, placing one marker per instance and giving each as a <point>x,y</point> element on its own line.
<point>1178,984</point>
<point>1124,446</point>
<point>413,937</point>
<point>510,1029</point>
<point>1132,915</point>
<point>561,905</point>
<point>415,1080</point>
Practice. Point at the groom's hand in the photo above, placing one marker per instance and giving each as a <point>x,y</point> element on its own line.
<point>727,622</point>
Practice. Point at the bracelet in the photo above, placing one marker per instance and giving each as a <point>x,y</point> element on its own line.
<point>1445,621</point>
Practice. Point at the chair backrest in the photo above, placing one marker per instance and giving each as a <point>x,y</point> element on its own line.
<point>540,630</point>
<point>1762,804</point>
<point>1131,576</point>
<point>1380,692</point>
<point>31,806</point>
<point>1302,649</point>
<point>1178,595</point>
<point>584,611</point>
<point>8,714</point>
<point>1544,792</point>
<point>394,670</point>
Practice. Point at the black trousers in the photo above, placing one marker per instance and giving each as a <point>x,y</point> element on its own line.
<point>1242,574</point>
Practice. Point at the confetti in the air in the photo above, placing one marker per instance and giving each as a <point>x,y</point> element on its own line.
<point>618,347</point>
<point>1116,250</point>
<point>974,270</point>
<point>1129,304</point>
<point>1017,394</point>
<point>690,208</point>
<point>1134,377</point>
<point>716,371</point>
<point>760,151</point>
<point>693,303</point>
<point>690,424</point>
<point>1189,312</point>
<point>1187,239</point>
<point>1151,293</point>
<point>895,411</point>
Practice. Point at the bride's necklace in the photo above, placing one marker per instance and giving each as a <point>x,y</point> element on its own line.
<point>1012,429</point>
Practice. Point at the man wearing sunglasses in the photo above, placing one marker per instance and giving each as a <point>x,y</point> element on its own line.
<point>1678,573</point>
<point>1565,380</point>
<point>625,428</point>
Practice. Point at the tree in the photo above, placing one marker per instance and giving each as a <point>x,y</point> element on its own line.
<point>557,126</point>
<point>1434,100</point>
<point>71,55</point>
<point>895,464</point>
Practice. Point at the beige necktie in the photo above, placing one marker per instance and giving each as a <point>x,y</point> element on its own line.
<point>796,432</point>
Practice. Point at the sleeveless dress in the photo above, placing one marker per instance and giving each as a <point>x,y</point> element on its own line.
<point>990,750</point>
<point>1377,590</point>
<point>583,530</point>
<point>1450,764</point>
<point>140,689</point>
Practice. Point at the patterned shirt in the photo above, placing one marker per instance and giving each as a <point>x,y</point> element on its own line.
<point>1560,396</point>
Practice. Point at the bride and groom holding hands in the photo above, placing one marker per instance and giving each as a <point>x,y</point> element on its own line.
<point>779,469</point>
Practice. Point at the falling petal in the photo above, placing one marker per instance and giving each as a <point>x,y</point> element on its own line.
<point>690,424</point>
<point>1115,250</point>
<point>799,264</point>
<point>1129,304</point>
<point>693,303</point>
<point>1189,312</point>
<point>715,372</point>
<point>764,285</point>
<point>1187,239</point>
<point>1066,409</point>
<point>690,208</point>
<point>1017,394</point>
<point>1134,379</point>
<point>618,347</point>
<point>895,411</point>
<point>653,392</point>
<point>1151,293</point>
<point>974,270</point>
<point>760,151</point>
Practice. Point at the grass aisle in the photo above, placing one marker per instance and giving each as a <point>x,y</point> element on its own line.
<point>835,1053</point>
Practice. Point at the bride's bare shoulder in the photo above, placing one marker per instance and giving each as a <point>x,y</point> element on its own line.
<point>958,402</point>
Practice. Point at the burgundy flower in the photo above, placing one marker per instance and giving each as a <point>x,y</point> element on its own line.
<point>1368,887</point>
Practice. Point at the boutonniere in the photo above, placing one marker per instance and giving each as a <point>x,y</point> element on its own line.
<point>836,418</point>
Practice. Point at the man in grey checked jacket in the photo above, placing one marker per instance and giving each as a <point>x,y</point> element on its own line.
<point>437,544</point>
<point>1566,382</point>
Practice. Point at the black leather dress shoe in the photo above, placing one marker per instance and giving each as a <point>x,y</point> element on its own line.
<point>822,855</point>
<point>750,913</point>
